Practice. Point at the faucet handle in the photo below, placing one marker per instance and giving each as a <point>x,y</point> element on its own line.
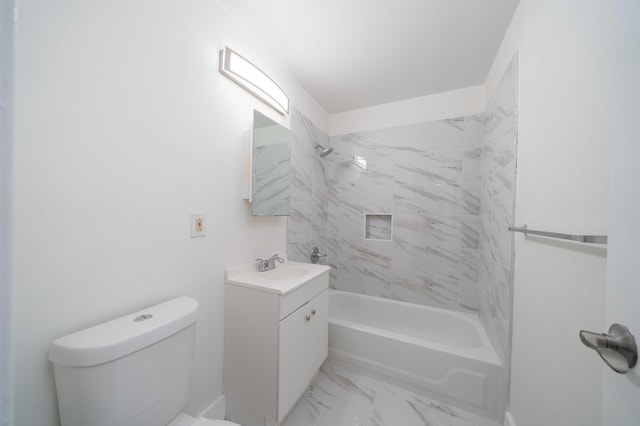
<point>262,264</point>
<point>274,258</point>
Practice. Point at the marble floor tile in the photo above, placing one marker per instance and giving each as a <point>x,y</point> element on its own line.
<point>340,396</point>
<point>306,412</point>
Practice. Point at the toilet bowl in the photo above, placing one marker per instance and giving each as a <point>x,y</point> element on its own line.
<point>134,370</point>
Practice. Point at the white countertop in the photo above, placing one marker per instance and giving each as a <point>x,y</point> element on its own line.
<point>247,275</point>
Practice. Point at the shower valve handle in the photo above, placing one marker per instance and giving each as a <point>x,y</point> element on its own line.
<point>315,255</point>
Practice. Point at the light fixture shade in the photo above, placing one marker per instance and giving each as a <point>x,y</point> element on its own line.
<point>253,79</point>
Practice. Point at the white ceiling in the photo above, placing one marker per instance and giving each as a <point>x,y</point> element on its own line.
<point>351,54</point>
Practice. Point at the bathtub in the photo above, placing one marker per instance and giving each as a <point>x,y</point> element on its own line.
<point>441,354</point>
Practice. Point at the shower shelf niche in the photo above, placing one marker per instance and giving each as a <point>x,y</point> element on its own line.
<point>378,226</point>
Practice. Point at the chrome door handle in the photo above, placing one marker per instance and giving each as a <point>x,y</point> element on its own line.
<point>617,348</point>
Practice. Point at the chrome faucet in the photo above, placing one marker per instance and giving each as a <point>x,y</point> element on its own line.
<point>269,264</point>
<point>315,255</point>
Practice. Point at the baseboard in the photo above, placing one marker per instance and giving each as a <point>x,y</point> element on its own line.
<point>508,419</point>
<point>216,410</point>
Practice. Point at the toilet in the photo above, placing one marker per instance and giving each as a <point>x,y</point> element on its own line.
<point>134,370</point>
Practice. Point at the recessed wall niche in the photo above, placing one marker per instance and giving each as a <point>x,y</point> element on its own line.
<point>378,227</point>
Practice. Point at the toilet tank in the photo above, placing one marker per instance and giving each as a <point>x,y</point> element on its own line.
<point>134,370</point>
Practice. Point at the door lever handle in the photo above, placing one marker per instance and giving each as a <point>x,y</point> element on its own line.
<point>617,348</point>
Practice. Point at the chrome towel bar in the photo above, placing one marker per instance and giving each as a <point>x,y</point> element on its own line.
<point>591,239</point>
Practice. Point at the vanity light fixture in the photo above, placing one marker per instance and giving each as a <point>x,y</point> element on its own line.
<point>253,80</point>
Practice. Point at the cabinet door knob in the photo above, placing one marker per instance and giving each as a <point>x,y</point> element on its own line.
<point>313,312</point>
<point>308,317</point>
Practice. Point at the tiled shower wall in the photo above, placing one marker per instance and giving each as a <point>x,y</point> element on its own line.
<point>497,210</point>
<point>449,188</point>
<point>417,175</point>
<point>307,222</point>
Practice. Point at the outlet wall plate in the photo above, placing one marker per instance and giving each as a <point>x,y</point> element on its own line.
<point>198,224</point>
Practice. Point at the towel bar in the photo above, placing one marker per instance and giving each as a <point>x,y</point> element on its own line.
<point>590,239</point>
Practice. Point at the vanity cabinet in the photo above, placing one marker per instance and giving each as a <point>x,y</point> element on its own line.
<point>275,341</point>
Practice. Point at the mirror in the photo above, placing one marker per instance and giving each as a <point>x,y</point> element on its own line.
<point>270,181</point>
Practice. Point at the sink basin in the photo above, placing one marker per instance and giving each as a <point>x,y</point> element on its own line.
<point>281,280</point>
<point>285,273</point>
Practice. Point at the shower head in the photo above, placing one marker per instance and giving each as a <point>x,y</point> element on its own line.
<point>323,151</point>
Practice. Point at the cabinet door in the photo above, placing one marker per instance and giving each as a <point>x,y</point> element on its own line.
<point>302,349</point>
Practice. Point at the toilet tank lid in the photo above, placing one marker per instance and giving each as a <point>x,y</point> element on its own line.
<point>122,336</point>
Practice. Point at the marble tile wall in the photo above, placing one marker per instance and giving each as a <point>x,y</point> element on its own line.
<point>414,173</point>
<point>497,209</point>
<point>307,223</point>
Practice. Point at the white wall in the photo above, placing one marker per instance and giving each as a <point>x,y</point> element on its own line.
<point>562,186</point>
<point>440,106</point>
<point>123,127</point>
<point>6,144</point>
<point>509,46</point>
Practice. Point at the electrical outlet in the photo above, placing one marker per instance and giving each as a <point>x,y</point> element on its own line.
<point>198,225</point>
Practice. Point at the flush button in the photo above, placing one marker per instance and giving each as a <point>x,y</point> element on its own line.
<point>141,318</point>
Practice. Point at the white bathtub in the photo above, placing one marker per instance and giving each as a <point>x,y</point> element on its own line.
<point>441,354</point>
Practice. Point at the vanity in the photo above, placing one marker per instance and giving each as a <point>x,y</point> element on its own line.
<point>276,337</point>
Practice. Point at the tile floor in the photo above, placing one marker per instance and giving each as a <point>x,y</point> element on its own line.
<point>342,397</point>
